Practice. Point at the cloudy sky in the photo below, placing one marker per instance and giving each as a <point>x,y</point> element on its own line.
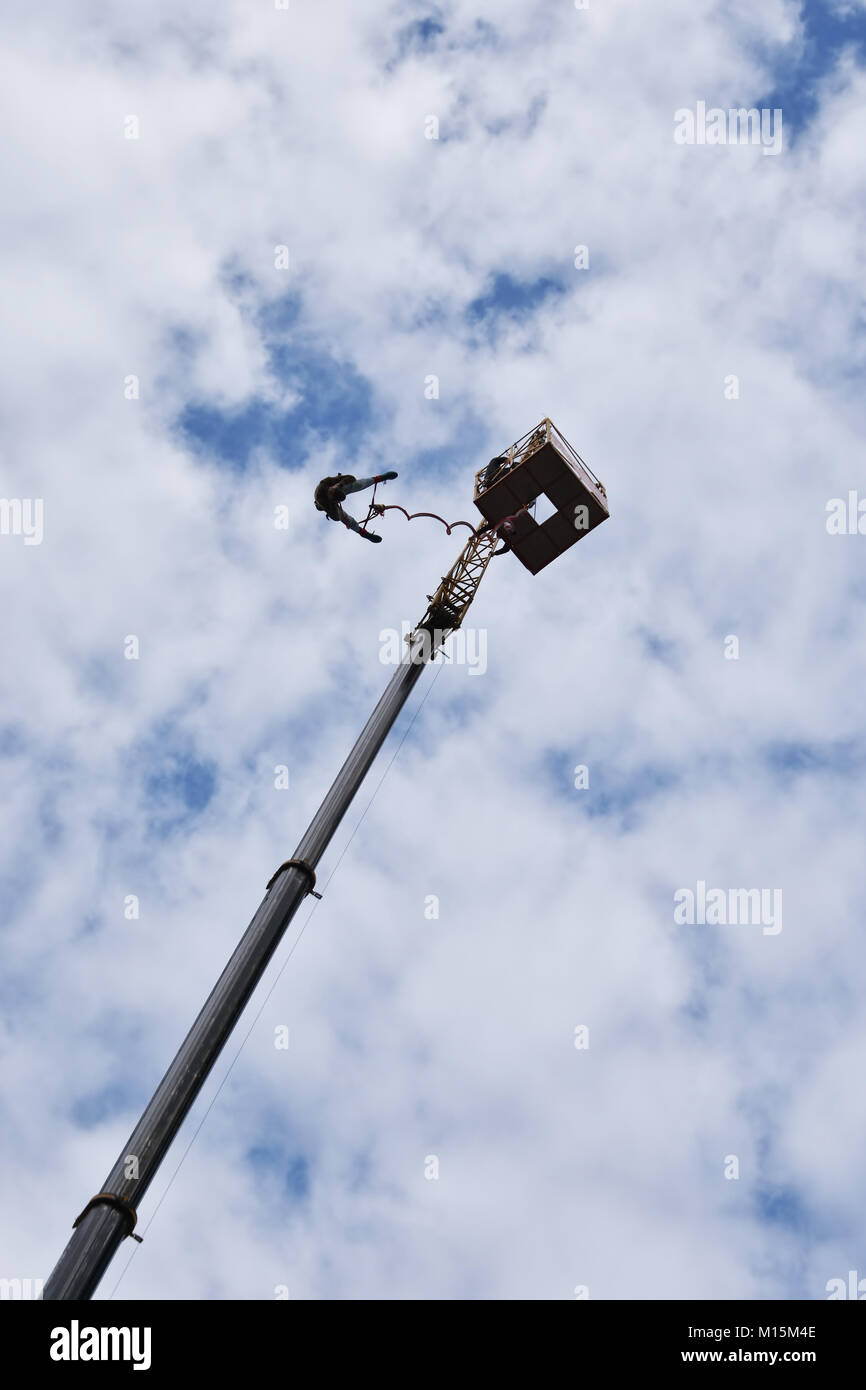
<point>171,378</point>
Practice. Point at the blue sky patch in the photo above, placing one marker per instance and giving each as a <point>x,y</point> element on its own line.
<point>336,402</point>
<point>177,783</point>
<point>783,1206</point>
<point>12,740</point>
<point>179,788</point>
<point>97,1106</point>
<point>293,1170</point>
<point>512,298</point>
<point>800,68</point>
<point>797,758</point>
<point>613,791</point>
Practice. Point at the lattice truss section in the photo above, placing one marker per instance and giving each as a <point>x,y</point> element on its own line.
<point>459,586</point>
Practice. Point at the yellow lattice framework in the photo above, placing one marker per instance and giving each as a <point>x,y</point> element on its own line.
<point>447,607</point>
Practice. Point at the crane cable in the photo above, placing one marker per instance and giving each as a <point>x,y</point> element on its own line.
<point>379,508</point>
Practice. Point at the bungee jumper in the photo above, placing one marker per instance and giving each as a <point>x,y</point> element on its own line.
<point>332,492</point>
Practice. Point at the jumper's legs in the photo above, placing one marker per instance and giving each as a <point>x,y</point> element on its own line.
<point>353,525</point>
<point>359,484</point>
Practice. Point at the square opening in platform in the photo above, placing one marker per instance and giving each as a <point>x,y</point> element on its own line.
<point>544,509</point>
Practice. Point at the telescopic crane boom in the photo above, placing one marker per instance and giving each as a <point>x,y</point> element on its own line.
<point>503,496</point>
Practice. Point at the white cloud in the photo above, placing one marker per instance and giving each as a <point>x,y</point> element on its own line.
<point>258,647</point>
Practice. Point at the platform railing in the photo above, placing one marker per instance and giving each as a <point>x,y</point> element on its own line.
<point>529,444</point>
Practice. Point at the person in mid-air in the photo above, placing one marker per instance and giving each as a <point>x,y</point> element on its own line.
<point>331,492</point>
